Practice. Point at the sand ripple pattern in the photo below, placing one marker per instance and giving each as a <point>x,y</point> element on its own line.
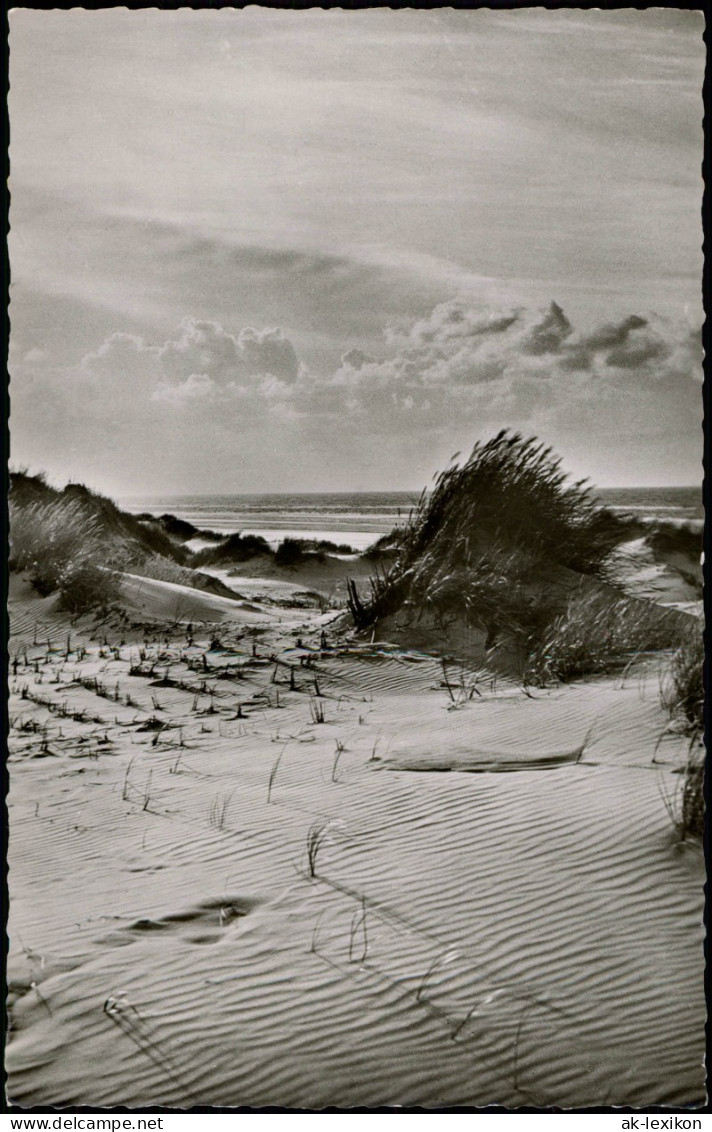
<point>258,908</point>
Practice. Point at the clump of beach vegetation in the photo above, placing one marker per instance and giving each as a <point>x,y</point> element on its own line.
<point>291,552</point>
<point>686,807</point>
<point>505,543</point>
<point>60,549</point>
<point>233,548</point>
<point>506,507</point>
<point>683,539</point>
<point>683,696</point>
<point>683,690</point>
<point>600,632</point>
<point>294,551</point>
<point>75,542</point>
<point>179,529</point>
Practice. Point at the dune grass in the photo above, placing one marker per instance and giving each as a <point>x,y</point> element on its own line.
<point>692,808</point>
<point>507,545</point>
<point>234,548</point>
<point>600,632</point>
<point>61,549</point>
<point>120,529</point>
<point>664,538</point>
<point>315,837</point>
<point>514,490</point>
<point>683,690</point>
<point>296,551</point>
<point>178,530</point>
<point>683,696</point>
<point>686,805</point>
<point>291,551</point>
<point>490,528</point>
<point>74,541</point>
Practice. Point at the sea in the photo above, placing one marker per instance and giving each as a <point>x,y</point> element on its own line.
<point>357,519</point>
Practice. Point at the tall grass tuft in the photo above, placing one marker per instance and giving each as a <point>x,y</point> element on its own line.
<point>507,545</point>
<point>233,548</point>
<point>471,548</point>
<point>61,549</point>
<point>600,632</point>
<point>683,691</point>
<point>692,812</point>
<point>514,488</point>
<point>686,806</point>
<point>683,696</point>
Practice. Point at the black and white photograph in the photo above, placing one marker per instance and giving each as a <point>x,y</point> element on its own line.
<point>355,708</point>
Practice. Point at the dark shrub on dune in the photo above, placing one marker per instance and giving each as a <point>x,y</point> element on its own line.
<point>235,548</point>
<point>213,536</point>
<point>177,528</point>
<point>294,551</point>
<point>247,544</point>
<point>513,491</point>
<point>290,552</point>
<point>326,546</point>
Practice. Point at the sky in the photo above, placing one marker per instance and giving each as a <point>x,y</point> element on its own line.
<point>269,250</point>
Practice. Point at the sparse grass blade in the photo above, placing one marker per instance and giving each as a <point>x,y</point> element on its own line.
<point>315,838</point>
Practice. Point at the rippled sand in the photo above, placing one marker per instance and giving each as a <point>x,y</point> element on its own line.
<point>432,897</point>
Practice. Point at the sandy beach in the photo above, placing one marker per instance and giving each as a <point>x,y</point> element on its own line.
<point>241,876</point>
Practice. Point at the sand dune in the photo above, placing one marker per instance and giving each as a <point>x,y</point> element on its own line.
<point>530,937</point>
<point>173,602</point>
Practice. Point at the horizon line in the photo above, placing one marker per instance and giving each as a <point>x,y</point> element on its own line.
<point>386,491</point>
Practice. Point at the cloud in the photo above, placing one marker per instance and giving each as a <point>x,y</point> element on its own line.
<point>356,358</point>
<point>201,356</point>
<point>79,272</point>
<point>459,362</point>
<point>269,352</point>
<point>614,334</point>
<point>634,355</point>
<point>628,344</point>
<point>442,380</point>
<point>547,336</point>
<point>453,319</point>
<point>197,387</point>
<point>461,365</point>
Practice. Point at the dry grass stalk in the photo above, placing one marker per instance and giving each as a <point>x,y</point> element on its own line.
<point>315,838</point>
<point>273,773</point>
<point>316,709</point>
